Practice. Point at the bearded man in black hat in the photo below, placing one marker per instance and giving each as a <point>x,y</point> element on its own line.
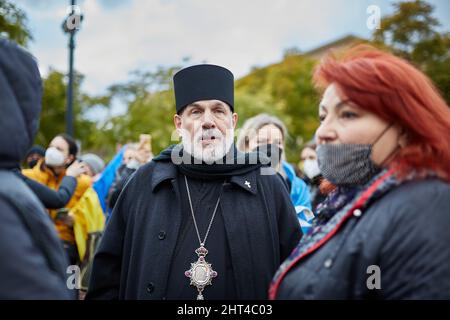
<point>202,220</point>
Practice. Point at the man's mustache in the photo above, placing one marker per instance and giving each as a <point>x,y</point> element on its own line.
<point>208,135</point>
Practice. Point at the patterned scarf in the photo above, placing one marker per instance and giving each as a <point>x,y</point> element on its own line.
<point>337,199</point>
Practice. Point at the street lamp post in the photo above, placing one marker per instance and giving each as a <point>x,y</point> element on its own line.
<point>71,25</point>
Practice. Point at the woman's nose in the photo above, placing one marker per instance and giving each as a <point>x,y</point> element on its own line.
<point>326,132</point>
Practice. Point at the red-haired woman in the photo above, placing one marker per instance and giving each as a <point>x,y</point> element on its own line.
<point>384,142</point>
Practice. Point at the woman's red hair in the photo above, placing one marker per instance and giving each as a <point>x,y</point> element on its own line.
<point>397,92</point>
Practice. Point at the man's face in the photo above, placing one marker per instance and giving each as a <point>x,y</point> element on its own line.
<point>207,129</point>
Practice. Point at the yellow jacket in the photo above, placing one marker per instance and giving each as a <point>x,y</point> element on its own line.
<point>43,175</point>
<point>88,217</point>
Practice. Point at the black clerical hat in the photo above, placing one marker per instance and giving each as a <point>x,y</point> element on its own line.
<point>203,82</point>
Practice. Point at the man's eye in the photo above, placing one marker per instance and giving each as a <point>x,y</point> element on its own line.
<point>322,117</point>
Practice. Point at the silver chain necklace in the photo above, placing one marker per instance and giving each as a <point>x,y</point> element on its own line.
<point>201,272</point>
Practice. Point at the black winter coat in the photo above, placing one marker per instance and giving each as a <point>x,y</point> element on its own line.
<point>33,261</point>
<point>135,254</point>
<point>397,248</point>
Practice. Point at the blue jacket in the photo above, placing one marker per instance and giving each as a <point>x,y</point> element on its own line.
<point>103,184</point>
<point>300,198</point>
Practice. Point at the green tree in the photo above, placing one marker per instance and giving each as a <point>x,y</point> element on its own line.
<point>286,91</point>
<point>52,121</point>
<point>412,33</point>
<point>149,101</point>
<point>13,23</point>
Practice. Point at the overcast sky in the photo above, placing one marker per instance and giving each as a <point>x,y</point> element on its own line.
<point>120,36</point>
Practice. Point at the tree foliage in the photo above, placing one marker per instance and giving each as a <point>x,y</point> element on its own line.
<point>412,33</point>
<point>13,23</point>
<point>286,91</point>
<point>52,121</point>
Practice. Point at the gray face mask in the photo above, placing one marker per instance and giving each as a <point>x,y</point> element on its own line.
<point>348,164</point>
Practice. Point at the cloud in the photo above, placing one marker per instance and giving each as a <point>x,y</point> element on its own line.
<point>147,33</point>
<point>120,36</point>
<point>236,34</point>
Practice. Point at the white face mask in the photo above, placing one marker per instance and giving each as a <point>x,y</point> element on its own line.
<point>311,168</point>
<point>133,164</point>
<point>54,157</point>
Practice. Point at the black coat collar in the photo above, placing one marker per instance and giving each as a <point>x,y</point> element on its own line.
<point>163,171</point>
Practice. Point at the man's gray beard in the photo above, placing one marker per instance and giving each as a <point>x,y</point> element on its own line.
<point>210,153</point>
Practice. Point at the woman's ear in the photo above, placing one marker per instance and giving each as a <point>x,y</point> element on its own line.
<point>70,159</point>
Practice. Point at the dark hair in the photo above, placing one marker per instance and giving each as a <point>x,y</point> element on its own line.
<point>36,149</point>
<point>73,148</point>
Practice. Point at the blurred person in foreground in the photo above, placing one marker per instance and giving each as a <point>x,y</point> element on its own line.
<point>33,261</point>
<point>383,141</point>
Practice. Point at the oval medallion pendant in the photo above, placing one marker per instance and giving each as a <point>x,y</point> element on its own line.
<point>201,272</point>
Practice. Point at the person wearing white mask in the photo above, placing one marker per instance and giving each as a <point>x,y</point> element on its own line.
<point>132,160</point>
<point>312,175</point>
<point>51,171</point>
